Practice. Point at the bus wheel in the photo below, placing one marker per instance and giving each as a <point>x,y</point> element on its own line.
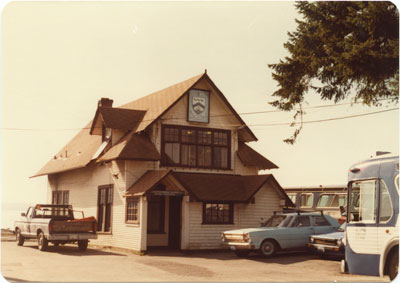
<point>394,265</point>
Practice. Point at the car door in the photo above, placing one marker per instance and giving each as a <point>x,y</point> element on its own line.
<point>301,231</point>
<point>321,225</point>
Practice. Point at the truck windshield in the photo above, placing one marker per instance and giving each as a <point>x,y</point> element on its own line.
<point>277,221</point>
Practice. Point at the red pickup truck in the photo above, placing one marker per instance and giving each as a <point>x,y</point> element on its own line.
<point>55,224</point>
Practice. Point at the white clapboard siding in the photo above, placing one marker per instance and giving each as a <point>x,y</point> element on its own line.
<point>83,184</point>
<point>245,215</point>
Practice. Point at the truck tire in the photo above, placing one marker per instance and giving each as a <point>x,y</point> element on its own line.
<point>393,265</point>
<point>268,248</point>
<point>20,239</point>
<point>82,245</point>
<point>43,243</point>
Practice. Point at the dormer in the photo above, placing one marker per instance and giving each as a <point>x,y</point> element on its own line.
<point>113,123</point>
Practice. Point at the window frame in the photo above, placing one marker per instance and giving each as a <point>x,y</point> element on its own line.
<point>312,200</point>
<point>101,224</point>
<point>231,211</point>
<point>196,144</point>
<point>128,200</point>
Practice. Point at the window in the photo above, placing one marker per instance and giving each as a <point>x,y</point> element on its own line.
<point>319,221</point>
<point>155,214</point>
<point>292,197</point>
<point>307,200</point>
<point>385,203</point>
<point>132,210</point>
<point>217,213</point>
<point>331,200</point>
<point>363,195</point>
<point>60,197</point>
<point>195,147</point>
<point>301,221</point>
<point>104,207</point>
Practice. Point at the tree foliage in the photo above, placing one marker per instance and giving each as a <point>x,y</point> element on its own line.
<point>340,49</point>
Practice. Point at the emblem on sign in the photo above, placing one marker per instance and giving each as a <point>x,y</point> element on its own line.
<point>198,106</point>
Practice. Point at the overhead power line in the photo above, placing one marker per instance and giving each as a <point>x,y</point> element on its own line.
<point>227,115</point>
<point>324,120</point>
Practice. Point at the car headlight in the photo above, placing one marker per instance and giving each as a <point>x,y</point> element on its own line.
<point>339,242</point>
<point>344,241</point>
<point>311,240</point>
<point>246,237</point>
<point>222,237</point>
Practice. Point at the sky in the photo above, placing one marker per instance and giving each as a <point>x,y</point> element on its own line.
<point>60,58</point>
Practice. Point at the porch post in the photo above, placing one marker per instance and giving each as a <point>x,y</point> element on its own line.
<point>143,224</point>
<point>185,223</point>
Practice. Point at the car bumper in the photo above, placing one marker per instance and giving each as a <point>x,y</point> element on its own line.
<point>71,237</point>
<point>239,246</point>
<point>319,248</point>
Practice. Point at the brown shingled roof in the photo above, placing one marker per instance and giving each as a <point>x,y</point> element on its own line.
<point>161,101</point>
<point>210,187</point>
<point>132,146</point>
<point>119,118</point>
<point>146,110</point>
<point>148,181</point>
<point>76,154</point>
<point>250,157</point>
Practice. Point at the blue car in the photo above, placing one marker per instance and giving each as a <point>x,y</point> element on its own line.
<point>283,231</point>
<point>328,244</point>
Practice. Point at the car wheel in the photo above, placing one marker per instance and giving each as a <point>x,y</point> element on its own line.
<point>394,265</point>
<point>242,253</point>
<point>268,248</point>
<point>42,242</point>
<point>82,245</point>
<point>20,239</point>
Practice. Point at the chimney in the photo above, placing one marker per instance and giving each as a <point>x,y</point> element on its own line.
<point>105,102</point>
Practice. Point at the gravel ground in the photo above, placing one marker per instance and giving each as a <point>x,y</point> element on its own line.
<point>68,264</point>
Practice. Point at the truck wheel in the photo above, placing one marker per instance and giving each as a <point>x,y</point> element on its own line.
<point>82,245</point>
<point>394,265</point>
<point>268,248</point>
<point>42,242</point>
<point>20,239</point>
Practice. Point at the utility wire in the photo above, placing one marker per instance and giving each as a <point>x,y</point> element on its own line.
<point>324,120</point>
<point>225,115</point>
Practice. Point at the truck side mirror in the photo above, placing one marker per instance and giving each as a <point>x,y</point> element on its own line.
<point>23,214</point>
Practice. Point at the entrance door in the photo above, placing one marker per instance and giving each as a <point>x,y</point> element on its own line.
<point>175,207</point>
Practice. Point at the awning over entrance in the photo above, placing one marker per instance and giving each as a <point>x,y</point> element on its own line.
<point>206,186</point>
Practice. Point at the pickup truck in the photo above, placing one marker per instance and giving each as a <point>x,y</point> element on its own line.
<point>55,224</point>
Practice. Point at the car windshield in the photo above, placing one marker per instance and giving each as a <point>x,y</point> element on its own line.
<point>277,221</point>
<point>342,227</point>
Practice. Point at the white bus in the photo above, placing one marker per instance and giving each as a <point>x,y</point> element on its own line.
<point>372,231</point>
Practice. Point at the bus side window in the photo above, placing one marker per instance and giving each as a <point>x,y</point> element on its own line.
<point>306,200</point>
<point>385,203</point>
<point>363,201</point>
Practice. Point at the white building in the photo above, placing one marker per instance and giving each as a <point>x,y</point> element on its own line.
<point>170,169</point>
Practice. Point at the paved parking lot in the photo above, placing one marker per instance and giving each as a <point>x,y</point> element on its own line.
<point>68,264</point>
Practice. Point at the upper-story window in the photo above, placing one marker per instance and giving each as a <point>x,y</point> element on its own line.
<point>196,147</point>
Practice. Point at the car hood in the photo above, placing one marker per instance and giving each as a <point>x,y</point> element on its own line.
<point>335,236</point>
<point>250,230</point>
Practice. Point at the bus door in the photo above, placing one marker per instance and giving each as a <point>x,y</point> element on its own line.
<point>362,252</point>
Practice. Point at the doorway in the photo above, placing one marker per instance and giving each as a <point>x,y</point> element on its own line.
<point>174,229</point>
